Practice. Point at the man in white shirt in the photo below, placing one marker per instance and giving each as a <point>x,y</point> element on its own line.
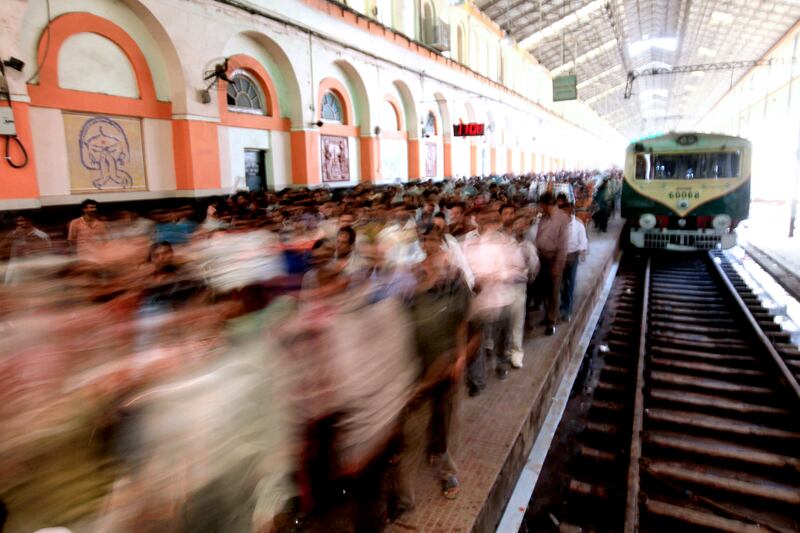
<point>518,279</point>
<point>489,254</point>
<point>577,245</point>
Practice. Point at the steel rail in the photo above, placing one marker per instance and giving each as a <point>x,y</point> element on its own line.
<point>787,375</point>
<point>632,502</point>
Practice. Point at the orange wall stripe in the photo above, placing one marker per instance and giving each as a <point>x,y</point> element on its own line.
<point>305,157</point>
<point>339,129</point>
<point>48,94</point>
<point>395,135</point>
<point>196,147</point>
<point>447,154</point>
<point>70,100</point>
<point>509,160</point>
<point>370,156</point>
<point>19,182</point>
<point>414,169</point>
<point>493,160</point>
<point>473,160</point>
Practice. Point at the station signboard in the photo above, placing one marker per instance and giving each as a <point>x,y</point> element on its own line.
<point>565,88</point>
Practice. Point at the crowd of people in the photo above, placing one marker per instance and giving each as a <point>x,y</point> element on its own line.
<point>225,366</point>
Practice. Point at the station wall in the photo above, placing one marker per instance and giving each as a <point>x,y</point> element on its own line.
<point>764,107</point>
<point>113,98</point>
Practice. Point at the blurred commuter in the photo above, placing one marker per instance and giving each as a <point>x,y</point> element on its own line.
<point>457,217</point>
<point>602,206</point>
<point>345,253</point>
<point>87,229</point>
<point>525,272</point>
<point>424,214</point>
<point>490,255</point>
<point>452,248</point>
<point>25,240</point>
<point>177,228</point>
<point>518,280</point>
<point>552,239</point>
<point>439,308</point>
<point>577,247</point>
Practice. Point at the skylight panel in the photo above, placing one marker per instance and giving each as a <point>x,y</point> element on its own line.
<point>664,43</point>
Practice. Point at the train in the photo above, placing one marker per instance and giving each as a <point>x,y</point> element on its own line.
<point>686,191</point>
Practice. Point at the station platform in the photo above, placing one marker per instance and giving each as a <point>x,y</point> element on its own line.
<point>780,258</point>
<point>496,430</point>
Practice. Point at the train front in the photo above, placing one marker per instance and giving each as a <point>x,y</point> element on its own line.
<point>686,192</point>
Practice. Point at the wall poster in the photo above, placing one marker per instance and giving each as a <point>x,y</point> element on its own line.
<point>335,159</point>
<point>430,160</point>
<point>104,153</point>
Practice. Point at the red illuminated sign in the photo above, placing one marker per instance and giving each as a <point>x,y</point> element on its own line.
<point>467,130</point>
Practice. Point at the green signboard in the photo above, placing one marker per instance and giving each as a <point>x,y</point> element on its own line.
<point>565,88</point>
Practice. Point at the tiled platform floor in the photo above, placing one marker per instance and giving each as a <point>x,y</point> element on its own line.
<point>490,424</point>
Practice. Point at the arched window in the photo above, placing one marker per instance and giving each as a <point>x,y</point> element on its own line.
<point>331,108</point>
<point>460,45</point>
<point>427,23</point>
<point>429,128</point>
<point>389,120</point>
<point>244,95</point>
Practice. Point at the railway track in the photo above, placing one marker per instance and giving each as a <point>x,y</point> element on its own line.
<point>693,421</point>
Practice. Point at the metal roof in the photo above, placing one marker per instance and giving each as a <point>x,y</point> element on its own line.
<point>609,38</point>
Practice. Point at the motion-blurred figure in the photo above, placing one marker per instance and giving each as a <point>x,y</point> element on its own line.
<point>552,239</point>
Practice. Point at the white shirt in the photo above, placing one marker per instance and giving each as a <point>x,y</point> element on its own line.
<point>457,258</point>
<point>577,241</point>
<point>490,257</point>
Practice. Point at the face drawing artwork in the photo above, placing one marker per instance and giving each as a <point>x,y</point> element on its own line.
<point>104,147</point>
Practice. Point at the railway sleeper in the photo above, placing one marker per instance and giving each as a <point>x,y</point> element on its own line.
<point>716,404</point>
<point>722,322</point>
<point>720,313</point>
<point>610,431</point>
<point>741,429</point>
<point>711,448</point>
<point>597,455</point>
<point>667,291</point>
<point>707,384</point>
<point>739,483</point>
<point>699,518</point>
<point>738,361</point>
<point>709,369</point>
<point>698,341</point>
<point>706,329</point>
<point>615,373</point>
<point>717,302</point>
<point>582,488</point>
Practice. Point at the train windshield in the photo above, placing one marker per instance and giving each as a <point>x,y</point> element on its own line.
<point>687,166</point>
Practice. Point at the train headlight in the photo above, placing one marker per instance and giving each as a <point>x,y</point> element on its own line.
<point>721,222</point>
<point>647,221</point>
<point>682,222</point>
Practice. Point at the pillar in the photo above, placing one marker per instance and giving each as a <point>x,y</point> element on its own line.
<point>196,147</point>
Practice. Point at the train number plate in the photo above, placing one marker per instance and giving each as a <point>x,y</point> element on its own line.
<point>684,194</point>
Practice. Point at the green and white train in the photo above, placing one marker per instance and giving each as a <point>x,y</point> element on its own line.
<point>686,191</point>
